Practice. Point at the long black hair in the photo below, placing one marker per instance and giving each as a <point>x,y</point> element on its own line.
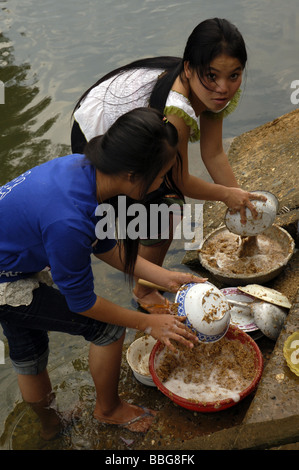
<point>140,143</point>
<point>209,39</point>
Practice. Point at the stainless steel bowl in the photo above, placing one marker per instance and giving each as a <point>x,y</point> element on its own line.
<point>277,234</point>
<point>267,211</point>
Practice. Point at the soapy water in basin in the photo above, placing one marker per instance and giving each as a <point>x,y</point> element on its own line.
<point>207,392</point>
<point>208,372</point>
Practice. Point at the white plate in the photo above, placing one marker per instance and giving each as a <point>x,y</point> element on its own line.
<point>265,293</point>
<point>239,317</point>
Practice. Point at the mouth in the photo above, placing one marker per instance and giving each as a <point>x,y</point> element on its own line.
<point>221,100</point>
<point>220,103</point>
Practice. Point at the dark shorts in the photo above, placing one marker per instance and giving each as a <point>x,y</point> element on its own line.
<point>26,328</point>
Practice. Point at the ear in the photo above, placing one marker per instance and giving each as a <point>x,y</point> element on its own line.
<point>131,177</point>
<point>187,69</point>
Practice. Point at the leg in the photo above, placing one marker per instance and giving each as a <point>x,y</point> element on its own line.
<point>26,330</point>
<point>37,392</point>
<point>105,362</point>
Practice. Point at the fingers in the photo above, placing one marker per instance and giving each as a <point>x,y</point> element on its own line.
<point>243,216</point>
<point>245,203</point>
<point>257,197</point>
<point>184,278</point>
<point>195,278</point>
<point>178,332</point>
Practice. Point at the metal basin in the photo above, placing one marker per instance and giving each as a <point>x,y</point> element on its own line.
<point>275,234</point>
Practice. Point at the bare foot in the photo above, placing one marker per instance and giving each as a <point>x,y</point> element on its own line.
<point>151,300</point>
<point>59,422</point>
<point>132,417</point>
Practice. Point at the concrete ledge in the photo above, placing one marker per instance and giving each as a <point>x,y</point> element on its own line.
<point>252,436</point>
<point>277,396</point>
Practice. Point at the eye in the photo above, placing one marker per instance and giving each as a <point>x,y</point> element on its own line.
<point>235,76</point>
<point>211,76</point>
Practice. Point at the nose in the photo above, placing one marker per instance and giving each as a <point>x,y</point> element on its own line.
<point>222,86</point>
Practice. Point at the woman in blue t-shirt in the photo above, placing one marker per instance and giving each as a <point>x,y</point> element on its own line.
<point>54,217</point>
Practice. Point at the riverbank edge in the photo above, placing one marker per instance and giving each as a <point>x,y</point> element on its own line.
<point>272,420</point>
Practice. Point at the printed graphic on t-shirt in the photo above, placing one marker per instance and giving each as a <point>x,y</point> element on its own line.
<point>6,189</point>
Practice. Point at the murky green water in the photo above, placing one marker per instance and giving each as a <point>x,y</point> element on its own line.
<point>50,52</point>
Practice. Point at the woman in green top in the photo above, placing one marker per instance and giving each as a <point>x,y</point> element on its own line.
<point>195,93</point>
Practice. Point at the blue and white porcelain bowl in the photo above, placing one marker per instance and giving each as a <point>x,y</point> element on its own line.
<point>206,310</point>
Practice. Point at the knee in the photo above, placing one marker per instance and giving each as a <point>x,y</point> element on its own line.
<point>31,366</point>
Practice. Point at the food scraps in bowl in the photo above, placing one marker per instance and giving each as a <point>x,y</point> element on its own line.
<point>225,253</point>
<point>138,354</point>
<point>210,376</point>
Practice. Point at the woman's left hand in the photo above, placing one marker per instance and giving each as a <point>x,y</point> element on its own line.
<point>175,279</point>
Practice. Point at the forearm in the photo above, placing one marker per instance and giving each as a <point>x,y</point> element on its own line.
<point>105,311</point>
<point>161,326</point>
<point>197,188</point>
<point>220,170</point>
<point>151,272</point>
<point>144,269</point>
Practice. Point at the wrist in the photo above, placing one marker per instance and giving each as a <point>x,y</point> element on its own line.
<point>144,323</point>
<point>222,193</point>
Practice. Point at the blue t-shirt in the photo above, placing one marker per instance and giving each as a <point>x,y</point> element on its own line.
<point>47,218</point>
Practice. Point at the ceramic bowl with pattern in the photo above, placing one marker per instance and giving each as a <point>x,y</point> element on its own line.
<point>206,309</point>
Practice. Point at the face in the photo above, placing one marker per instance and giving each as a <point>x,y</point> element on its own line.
<point>160,177</point>
<point>221,83</point>
<point>136,184</point>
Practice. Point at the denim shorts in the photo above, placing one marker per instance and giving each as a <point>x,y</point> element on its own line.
<point>26,328</point>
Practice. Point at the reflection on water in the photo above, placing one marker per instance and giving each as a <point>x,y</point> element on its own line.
<point>22,125</point>
<point>75,389</point>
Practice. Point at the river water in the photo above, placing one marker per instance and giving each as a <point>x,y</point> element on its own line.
<point>50,52</point>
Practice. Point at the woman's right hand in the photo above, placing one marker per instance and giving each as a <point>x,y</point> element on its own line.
<point>238,200</point>
<point>165,327</point>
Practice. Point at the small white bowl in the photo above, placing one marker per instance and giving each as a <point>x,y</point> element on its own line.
<point>267,211</point>
<point>138,354</point>
<point>206,309</point>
